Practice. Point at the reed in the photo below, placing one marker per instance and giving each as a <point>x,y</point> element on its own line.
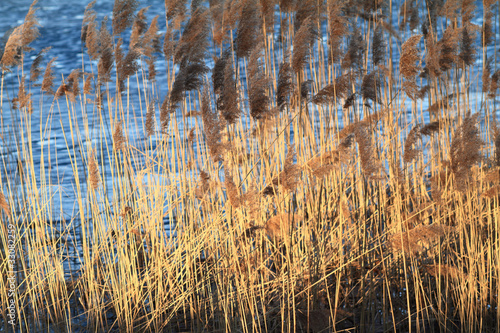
<point>338,174</point>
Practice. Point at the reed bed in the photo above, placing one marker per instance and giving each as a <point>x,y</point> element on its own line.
<point>304,166</point>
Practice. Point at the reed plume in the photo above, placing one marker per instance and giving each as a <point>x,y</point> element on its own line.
<point>48,78</point>
<point>94,176</point>
<point>192,45</point>
<point>87,85</point>
<point>353,58</point>
<point>175,8</point>
<point>89,17</point>
<point>138,28</point>
<point>302,43</point>
<point>218,71</point>
<point>204,185</point>
<point>4,204</point>
<point>169,44</point>
<point>430,128</point>
<point>150,41</point>
<point>407,67</point>
<point>267,14</point>
<point>487,34</point>
<point>228,102</point>
<point>165,114</point>
<point>287,5</point>
<point>278,227</point>
<point>339,27</point>
<point>90,34</point>
<point>432,58</point>
<point>370,85</point>
<point>123,15</point>
<point>467,12</point>
<point>411,153</point>
<point>231,188</point>
<point>419,238</point>
<point>23,97</point>
<point>495,78</point>
<point>119,140</point>
<point>248,29</point>
<point>409,14</point>
<point>465,150</point>
<point>288,178</point>
<point>150,119</point>
<point>370,163</point>
<point>491,192</point>
<point>467,51</point>
<point>257,85</point>
<point>106,58</point>
<point>20,38</point>
<point>327,162</point>
<point>449,46</point>
<point>307,9</point>
<point>285,85</point>
<point>212,128</point>
<point>378,47</point>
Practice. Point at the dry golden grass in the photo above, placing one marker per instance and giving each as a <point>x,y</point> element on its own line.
<point>306,182</point>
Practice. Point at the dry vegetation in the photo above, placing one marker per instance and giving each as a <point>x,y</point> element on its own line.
<point>310,182</point>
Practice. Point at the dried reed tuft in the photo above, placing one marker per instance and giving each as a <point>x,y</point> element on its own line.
<point>150,41</point>
<point>430,128</point>
<point>327,162</point>
<point>370,163</point>
<point>465,150</point>
<point>106,58</point>
<point>339,27</point>
<point>89,17</point>
<point>370,85</point>
<point>340,89</point>
<point>175,8</point>
<point>257,85</point>
<point>204,185</point>
<point>354,56</point>
<point>94,176</point>
<point>303,40</point>
<point>48,78</point>
<point>36,70</point>
<point>169,44</point>
<point>285,85</point>
<point>218,71</point>
<point>4,204</point>
<point>408,13</point>
<point>492,192</point>
<point>138,28</point>
<point>378,47</point>
<point>279,226</point>
<point>287,5</point>
<point>411,153</point>
<point>467,51</point>
<point>123,15</point>
<point>87,85</point>
<point>231,188</point>
<point>23,97</point>
<point>409,55</point>
<point>289,176</point>
<point>228,102</point>
<point>119,140</point>
<point>212,128</point>
<point>419,238</point>
<point>192,45</point>
<point>248,28</point>
<point>150,119</point>
<point>449,46</point>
